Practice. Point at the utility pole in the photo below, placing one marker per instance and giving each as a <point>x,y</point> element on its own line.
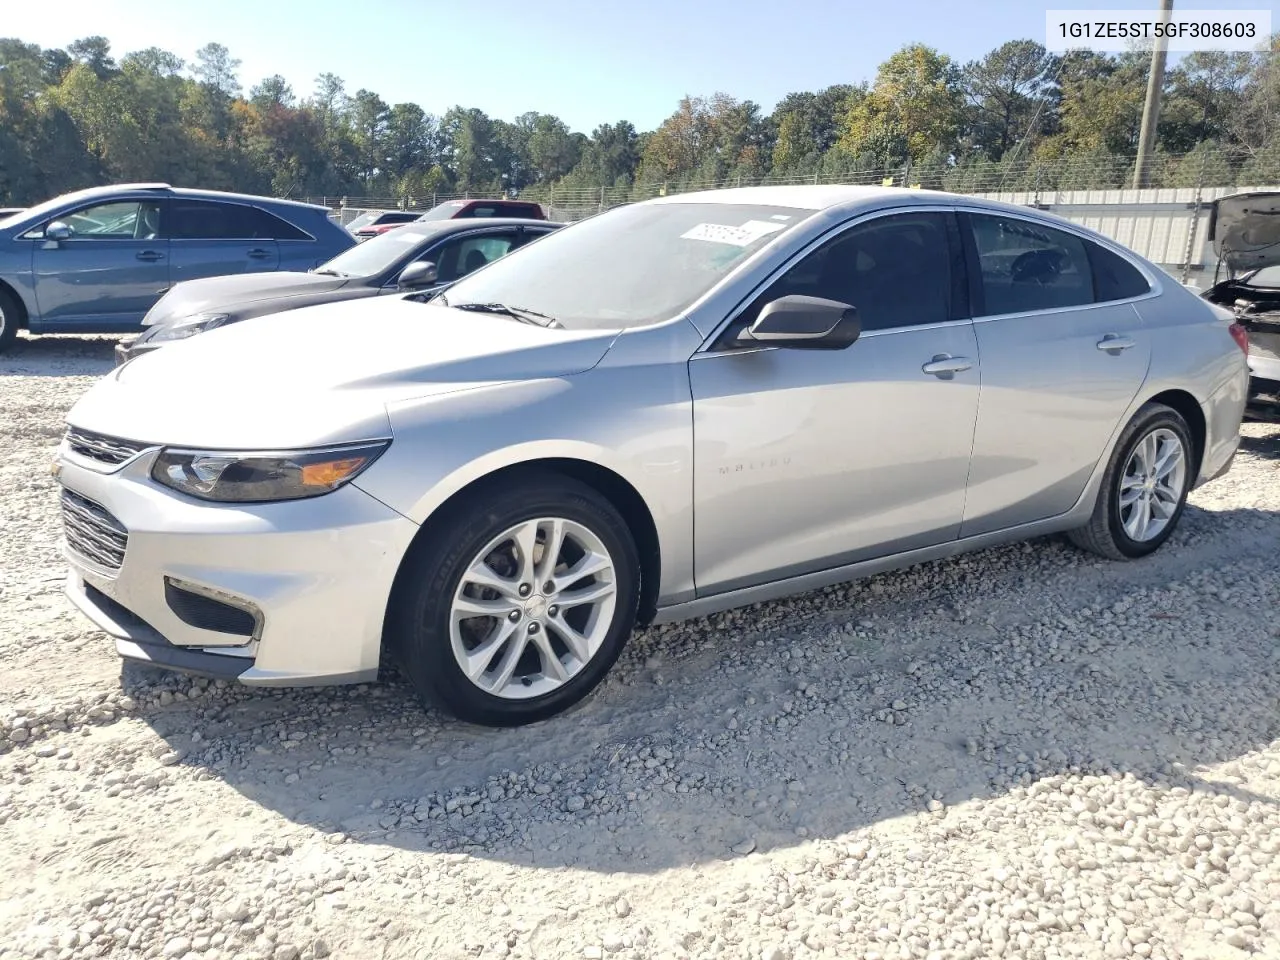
<point>1151,109</point>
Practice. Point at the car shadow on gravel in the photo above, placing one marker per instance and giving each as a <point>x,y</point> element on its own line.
<point>60,355</point>
<point>803,719</point>
<point>1267,447</point>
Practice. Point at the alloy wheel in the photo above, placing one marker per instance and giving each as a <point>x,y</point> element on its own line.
<point>1151,485</point>
<point>533,608</point>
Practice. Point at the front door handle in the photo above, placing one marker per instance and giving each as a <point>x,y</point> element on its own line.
<point>1115,345</point>
<point>150,256</point>
<point>259,254</point>
<point>944,366</point>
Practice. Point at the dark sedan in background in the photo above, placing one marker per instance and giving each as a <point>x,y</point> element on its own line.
<point>96,261</point>
<point>419,257</point>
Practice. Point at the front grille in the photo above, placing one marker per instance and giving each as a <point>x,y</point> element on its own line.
<point>92,532</point>
<point>99,447</point>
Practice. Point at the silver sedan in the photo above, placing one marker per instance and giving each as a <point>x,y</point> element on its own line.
<point>673,408</point>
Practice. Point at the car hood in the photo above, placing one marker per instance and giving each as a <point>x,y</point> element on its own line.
<point>1246,230</point>
<point>227,293</point>
<point>322,374</point>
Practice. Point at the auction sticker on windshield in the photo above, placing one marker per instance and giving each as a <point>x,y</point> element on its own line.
<point>740,236</point>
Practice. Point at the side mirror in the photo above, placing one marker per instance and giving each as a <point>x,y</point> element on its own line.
<point>804,323</point>
<point>417,275</point>
<point>58,231</point>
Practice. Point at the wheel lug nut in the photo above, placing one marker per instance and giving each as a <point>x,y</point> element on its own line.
<point>552,610</point>
<point>525,590</point>
<point>549,587</point>
<point>513,616</point>
<point>533,627</point>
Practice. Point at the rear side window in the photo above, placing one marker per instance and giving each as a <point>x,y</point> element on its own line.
<point>210,220</point>
<point>1024,266</point>
<point>1114,278</point>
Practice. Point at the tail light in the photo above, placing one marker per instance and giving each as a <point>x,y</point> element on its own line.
<point>1240,336</point>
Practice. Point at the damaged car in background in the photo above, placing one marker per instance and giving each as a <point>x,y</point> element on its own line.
<point>1245,231</point>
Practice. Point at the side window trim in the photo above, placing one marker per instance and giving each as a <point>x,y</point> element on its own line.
<point>977,294</point>
<point>712,345</point>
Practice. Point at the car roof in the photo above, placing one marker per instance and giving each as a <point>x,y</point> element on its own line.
<point>163,188</point>
<point>846,199</point>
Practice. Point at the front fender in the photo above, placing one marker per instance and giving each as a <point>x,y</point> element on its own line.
<point>635,422</point>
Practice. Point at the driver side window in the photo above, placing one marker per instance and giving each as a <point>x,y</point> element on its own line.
<point>899,270</point>
<point>121,220</point>
<point>1025,266</point>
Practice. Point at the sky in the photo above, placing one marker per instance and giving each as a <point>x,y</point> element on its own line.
<point>586,62</point>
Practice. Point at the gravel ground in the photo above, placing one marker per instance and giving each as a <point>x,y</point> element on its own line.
<point>1024,753</point>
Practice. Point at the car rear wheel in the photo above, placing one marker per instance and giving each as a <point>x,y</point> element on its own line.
<point>1144,490</point>
<point>10,317</point>
<point>516,608</point>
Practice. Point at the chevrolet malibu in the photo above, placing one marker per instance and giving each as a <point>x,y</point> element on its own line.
<point>673,408</point>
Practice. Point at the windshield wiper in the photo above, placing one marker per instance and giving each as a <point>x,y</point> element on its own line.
<point>518,313</point>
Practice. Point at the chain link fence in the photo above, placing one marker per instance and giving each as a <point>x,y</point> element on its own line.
<point>1164,221</point>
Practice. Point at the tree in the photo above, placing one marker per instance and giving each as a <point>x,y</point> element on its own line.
<point>552,148</point>
<point>1203,92</point>
<point>807,125</point>
<point>369,117</point>
<point>94,53</point>
<point>216,68</point>
<point>1255,120</point>
<point>155,61</point>
<point>1100,104</point>
<point>468,140</point>
<point>272,90</point>
<point>914,107</point>
<point>410,140</point>
<point>1008,93</point>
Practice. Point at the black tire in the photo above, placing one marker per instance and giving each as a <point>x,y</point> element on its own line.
<point>1104,534</point>
<point>11,314</point>
<point>418,617</point>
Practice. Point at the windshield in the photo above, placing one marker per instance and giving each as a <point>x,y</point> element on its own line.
<point>380,253</point>
<point>629,267</point>
<point>443,211</point>
<point>362,221</point>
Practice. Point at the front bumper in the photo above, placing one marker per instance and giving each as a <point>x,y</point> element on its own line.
<point>316,573</point>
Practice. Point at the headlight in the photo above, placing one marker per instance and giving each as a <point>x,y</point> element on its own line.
<point>188,327</point>
<point>263,477</point>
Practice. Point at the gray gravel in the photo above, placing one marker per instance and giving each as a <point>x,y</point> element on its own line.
<point>1022,753</point>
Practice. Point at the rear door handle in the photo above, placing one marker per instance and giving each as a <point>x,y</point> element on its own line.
<point>259,254</point>
<point>151,256</point>
<point>1115,345</point>
<point>944,366</point>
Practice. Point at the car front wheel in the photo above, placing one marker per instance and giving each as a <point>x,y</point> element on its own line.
<point>1144,490</point>
<point>516,606</point>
